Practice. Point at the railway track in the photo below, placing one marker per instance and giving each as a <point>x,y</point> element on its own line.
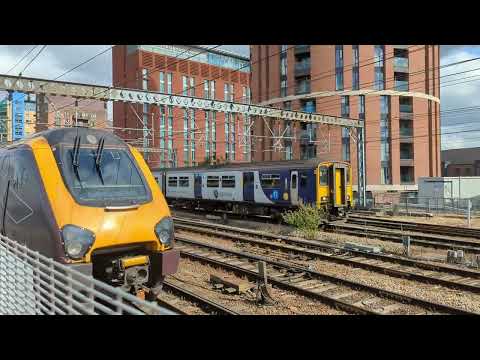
<point>367,228</point>
<point>347,295</point>
<point>415,226</point>
<point>457,278</point>
<point>207,305</point>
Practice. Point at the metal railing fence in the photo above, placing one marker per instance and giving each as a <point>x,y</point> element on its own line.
<point>32,284</point>
<point>433,205</point>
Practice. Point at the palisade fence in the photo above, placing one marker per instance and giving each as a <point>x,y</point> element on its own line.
<point>32,284</point>
<point>434,205</point>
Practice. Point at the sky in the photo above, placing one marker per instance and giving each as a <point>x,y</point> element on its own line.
<point>459,128</point>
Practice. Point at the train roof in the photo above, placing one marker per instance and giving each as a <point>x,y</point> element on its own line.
<point>67,135</point>
<point>283,164</point>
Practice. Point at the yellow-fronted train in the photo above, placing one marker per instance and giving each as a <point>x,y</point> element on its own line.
<point>264,188</point>
<point>87,199</point>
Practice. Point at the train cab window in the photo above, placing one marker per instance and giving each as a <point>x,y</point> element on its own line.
<point>294,181</point>
<point>213,181</point>
<point>303,180</point>
<point>183,181</point>
<point>228,181</point>
<point>323,176</point>
<point>115,180</point>
<point>348,176</point>
<point>270,181</point>
<point>172,181</point>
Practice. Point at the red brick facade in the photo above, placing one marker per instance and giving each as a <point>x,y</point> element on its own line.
<point>127,72</point>
<point>423,79</point>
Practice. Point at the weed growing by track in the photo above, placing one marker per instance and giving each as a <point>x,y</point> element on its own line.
<point>307,219</point>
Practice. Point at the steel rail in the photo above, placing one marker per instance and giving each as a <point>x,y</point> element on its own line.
<point>355,308</point>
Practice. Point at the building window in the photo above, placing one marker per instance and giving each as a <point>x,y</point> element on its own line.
<point>144,79</point>
<point>379,67</point>
<point>385,139</point>
<point>170,135</point>
<point>162,135</point>
<point>338,67</point>
<point>283,88</point>
<point>406,151</point>
<point>406,104</point>
<point>407,174</point>
<point>162,82</point>
<point>361,108</point>
<point>385,175</point>
<point>192,135</point>
<point>192,86</point>
<point>355,68</point>
<point>227,133</point>
<point>214,134</point>
<point>212,89</point>
<point>345,110</point>
<point>186,152</point>
<point>400,59</point>
<point>283,66</point>
<point>206,89</point>
<point>184,85</point>
<point>169,83</point>
<point>400,81</point>
<point>207,135</point>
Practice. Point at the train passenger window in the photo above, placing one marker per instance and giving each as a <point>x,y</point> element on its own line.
<point>183,181</point>
<point>303,180</point>
<point>348,176</point>
<point>172,181</point>
<point>213,181</point>
<point>323,176</point>
<point>228,181</point>
<point>269,181</point>
<point>294,181</point>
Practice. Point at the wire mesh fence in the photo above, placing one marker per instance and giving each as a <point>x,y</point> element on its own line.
<point>407,204</point>
<point>32,284</point>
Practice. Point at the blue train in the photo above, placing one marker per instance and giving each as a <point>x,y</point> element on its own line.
<point>266,188</point>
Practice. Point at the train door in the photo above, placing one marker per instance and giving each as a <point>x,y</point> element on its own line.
<point>339,185</point>
<point>294,187</point>
<point>197,187</point>
<point>248,186</point>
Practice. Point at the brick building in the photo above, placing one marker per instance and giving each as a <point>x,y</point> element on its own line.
<point>395,88</point>
<point>61,111</point>
<point>177,136</point>
<point>461,162</point>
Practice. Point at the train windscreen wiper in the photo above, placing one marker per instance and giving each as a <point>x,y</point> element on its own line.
<point>98,158</point>
<point>75,155</point>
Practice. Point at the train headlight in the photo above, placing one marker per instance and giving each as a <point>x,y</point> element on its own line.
<point>324,198</point>
<point>77,241</point>
<point>348,197</point>
<point>164,231</point>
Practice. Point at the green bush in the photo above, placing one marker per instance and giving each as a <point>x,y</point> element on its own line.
<point>307,218</point>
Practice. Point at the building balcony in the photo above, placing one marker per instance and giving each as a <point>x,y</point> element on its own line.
<point>302,49</point>
<point>302,69</point>
<point>302,88</point>
<point>401,85</point>
<point>400,64</point>
<point>405,115</point>
<point>406,162</point>
<point>306,136</point>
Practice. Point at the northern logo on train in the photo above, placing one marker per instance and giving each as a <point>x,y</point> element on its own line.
<point>275,195</point>
<point>215,193</point>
